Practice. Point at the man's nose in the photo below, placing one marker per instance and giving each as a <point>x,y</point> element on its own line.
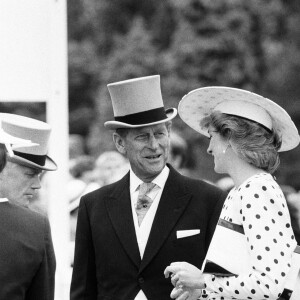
<point>37,183</point>
<point>153,142</point>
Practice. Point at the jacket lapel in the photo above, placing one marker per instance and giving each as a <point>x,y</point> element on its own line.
<point>172,204</point>
<point>120,213</point>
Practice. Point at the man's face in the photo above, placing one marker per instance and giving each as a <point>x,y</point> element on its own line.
<point>147,149</point>
<point>19,183</point>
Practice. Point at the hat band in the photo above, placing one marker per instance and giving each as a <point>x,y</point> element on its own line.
<point>37,159</point>
<point>253,121</point>
<point>145,117</point>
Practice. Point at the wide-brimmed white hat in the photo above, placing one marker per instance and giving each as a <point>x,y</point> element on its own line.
<point>33,155</point>
<point>138,102</point>
<point>199,104</point>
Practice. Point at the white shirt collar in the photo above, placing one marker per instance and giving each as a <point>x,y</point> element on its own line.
<point>3,200</point>
<point>160,180</point>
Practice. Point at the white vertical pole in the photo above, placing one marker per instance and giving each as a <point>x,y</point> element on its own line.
<point>33,59</point>
<point>57,117</point>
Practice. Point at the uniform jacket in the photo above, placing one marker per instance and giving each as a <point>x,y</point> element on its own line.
<point>107,263</point>
<point>27,261</point>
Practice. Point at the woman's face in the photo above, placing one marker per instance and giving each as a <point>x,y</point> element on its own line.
<point>218,149</point>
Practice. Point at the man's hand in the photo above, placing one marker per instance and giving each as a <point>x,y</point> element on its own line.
<point>185,294</point>
<point>185,275</point>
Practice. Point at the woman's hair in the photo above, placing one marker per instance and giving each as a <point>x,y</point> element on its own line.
<point>251,141</point>
<point>2,157</point>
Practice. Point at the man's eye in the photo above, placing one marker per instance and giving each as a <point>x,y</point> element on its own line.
<point>141,136</point>
<point>159,133</point>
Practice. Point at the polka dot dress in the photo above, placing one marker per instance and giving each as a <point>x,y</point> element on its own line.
<point>259,205</point>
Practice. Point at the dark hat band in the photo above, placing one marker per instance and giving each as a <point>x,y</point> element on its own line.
<point>37,159</point>
<point>145,117</point>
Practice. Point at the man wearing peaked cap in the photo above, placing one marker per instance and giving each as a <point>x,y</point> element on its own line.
<point>129,231</point>
<point>27,259</point>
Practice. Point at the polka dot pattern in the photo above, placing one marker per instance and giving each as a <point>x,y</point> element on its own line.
<point>269,237</point>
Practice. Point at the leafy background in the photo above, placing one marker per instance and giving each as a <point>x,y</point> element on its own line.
<point>254,45</point>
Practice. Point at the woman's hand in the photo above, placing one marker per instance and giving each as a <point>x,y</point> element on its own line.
<point>185,275</point>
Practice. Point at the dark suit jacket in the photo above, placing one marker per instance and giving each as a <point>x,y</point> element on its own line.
<point>107,263</point>
<point>27,261</point>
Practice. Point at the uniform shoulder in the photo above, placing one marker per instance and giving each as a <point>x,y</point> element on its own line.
<point>198,187</point>
<point>27,219</point>
<point>27,212</point>
<point>106,189</point>
<point>205,192</point>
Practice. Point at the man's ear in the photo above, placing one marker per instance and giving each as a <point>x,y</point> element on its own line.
<point>120,143</point>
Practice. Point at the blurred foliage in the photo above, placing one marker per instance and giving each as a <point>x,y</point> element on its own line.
<point>35,110</point>
<point>253,45</point>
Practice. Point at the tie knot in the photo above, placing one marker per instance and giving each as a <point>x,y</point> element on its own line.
<point>146,187</point>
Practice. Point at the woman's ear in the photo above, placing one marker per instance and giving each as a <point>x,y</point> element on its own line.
<point>119,143</point>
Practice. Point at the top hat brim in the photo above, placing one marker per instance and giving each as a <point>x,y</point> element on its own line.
<point>49,165</point>
<point>170,114</point>
<point>199,103</point>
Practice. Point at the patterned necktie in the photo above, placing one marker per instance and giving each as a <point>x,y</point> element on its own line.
<point>144,201</point>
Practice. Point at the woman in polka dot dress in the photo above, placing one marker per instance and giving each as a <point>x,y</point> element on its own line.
<point>246,132</point>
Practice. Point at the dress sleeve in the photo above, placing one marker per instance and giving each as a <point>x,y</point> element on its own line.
<point>270,242</point>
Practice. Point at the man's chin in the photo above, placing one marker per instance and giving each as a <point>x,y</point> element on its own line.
<point>156,170</point>
<point>22,202</point>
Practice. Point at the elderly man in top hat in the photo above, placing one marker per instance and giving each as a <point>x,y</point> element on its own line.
<point>129,231</point>
<point>27,260</point>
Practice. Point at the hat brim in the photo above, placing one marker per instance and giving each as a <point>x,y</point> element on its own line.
<point>50,165</point>
<point>170,113</point>
<point>199,104</point>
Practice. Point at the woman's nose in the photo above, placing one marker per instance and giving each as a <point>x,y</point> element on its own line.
<point>209,151</point>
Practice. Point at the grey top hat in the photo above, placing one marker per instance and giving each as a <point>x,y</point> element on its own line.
<point>13,142</point>
<point>38,132</point>
<point>138,102</point>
